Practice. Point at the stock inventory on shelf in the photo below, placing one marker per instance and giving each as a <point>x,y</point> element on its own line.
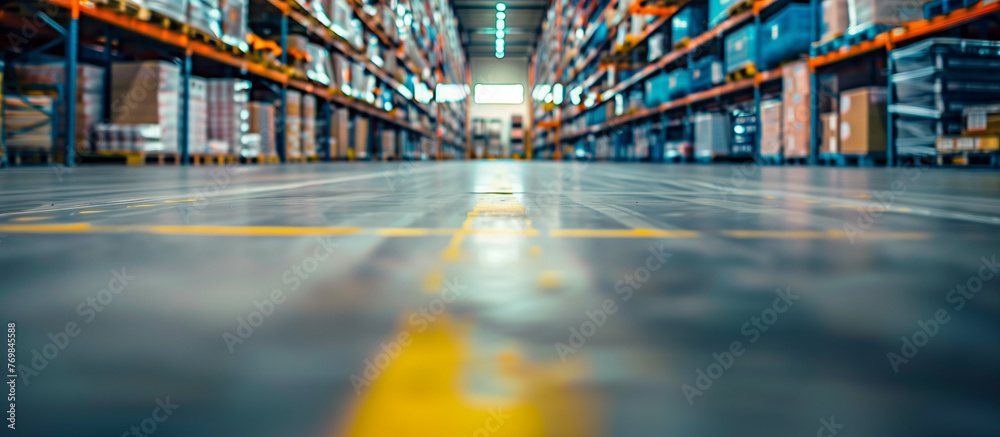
<point>835,82</point>
<point>231,80</point>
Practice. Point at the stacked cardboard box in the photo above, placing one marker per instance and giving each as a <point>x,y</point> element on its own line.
<point>173,9</point>
<point>197,124</point>
<point>795,96</point>
<point>89,96</point>
<point>389,146</point>
<point>318,67</point>
<point>770,127</point>
<point>835,19</point>
<point>147,93</point>
<point>260,136</point>
<point>829,133</point>
<point>360,137</point>
<point>293,124</point>
<point>227,115</point>
<point>308,125</point>
<point>27,123</point>
<point>863,121</point>
<point>339,128</point>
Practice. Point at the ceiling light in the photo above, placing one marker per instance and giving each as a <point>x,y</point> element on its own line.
<point>500,34</point>
<point>501,7</point>
<point>501,16</point>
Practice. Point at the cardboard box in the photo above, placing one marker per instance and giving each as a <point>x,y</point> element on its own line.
<point>836,19</point>
<point>293,124</point>
<point>796,130</point>
<point>981,120</point>
<point>360,137</point>
<point>260,135</point>
<point>770,127</point>
<point>968,144</point>
<point>339,129</point>
<point>829,133</point>
<point>863,121</point>
<point>309,125</point>
<point>147,93</point>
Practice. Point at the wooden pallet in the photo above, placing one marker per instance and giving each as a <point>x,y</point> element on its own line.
<point>301,159</point>
<point>31,157</point>
<point>741,7</point>
<point>259,159</point>
<point>844,41</point>
<point>201,35</point>
<point>743,73</point>
<point>798,160</point>
<point>212,158</point>
<point>143,158</point>
<point>970,158</point>
<point>143,13</point>
<point>839,160</point>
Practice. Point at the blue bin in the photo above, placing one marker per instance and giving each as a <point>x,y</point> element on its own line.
<point>689,22</point>
<point>678,83</point>
<point>656,90</point>
<point>706,73</point>
<point>784,36</point>
<point>741,48</point>
<point>718,11</point>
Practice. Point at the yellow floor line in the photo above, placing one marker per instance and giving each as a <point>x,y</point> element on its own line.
<point>621,233</point>
<point>74,227</point>
<point>141,206</point>
<point>31,219</point>
<point>92,212</point>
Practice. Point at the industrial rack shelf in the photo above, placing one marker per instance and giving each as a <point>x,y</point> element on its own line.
<point>450,118</point>
<point>550,133</point>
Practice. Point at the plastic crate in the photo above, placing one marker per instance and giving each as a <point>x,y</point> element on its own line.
<point>947,53</point>
<point>785,35</point>
<point>678,83</point>
<point>706,73</point>
<point>656,90</point>
<point>741,48</point>
<point>718,11</point>
<point>689,22</point>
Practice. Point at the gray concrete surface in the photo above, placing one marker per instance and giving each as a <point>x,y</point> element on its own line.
<point>502,298</point>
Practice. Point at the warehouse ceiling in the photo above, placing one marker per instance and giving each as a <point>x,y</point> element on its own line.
<point>479,17</point>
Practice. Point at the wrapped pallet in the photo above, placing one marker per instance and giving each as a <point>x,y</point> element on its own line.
<point>175,10</point>
<point>227,115</point>
<point>234,22</point>
<point>206,17</point>
<point>137,137</point>
<point>361,137</point>
<point>260,136</point>
<point>308,125</point>
<point>89,96</point>
<point>147,93</point>
<point>829,133</point>
<point>318,67</point>
<point>864,13</point>
<point>835,19</point>
<point>293,124</point>
<point>711,134</point>
<point>197,123</point>
<point>795,96</point>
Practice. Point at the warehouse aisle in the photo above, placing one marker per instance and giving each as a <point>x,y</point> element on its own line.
<point>503,298</point>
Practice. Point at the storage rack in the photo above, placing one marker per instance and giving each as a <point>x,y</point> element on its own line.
<point>570,59</point>
<point>82,30</point>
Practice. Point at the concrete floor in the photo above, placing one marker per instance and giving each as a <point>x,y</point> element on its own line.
<point>502,298</point>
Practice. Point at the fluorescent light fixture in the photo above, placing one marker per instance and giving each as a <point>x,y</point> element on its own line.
<point>499,55</point>
<point>500,34</point>
<point>557,94</point>
<point>501,15</point>
<point>500,25</point>
<point>501,7</point>
<point>449,92</point>
<point>498,94</point>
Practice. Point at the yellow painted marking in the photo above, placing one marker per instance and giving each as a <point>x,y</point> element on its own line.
<point>770,197</point>
<point>249,230</point>
<point>861,196</point>
<point>904,210</point>
<point>434,281</point>
<point>812,201</point>
<point>31,219</point>
<point>550,279</point>
<point>403,232</point>
<point>535,251</point>
<point>43,229</point>
<point>141,206</point>
<point>807,235</point>
<point>92,212</point>
<point>422,393</point>
<point>621,233</point>
<point>185,200</point>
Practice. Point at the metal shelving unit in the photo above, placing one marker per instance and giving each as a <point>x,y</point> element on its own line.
<point>446,124</point>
